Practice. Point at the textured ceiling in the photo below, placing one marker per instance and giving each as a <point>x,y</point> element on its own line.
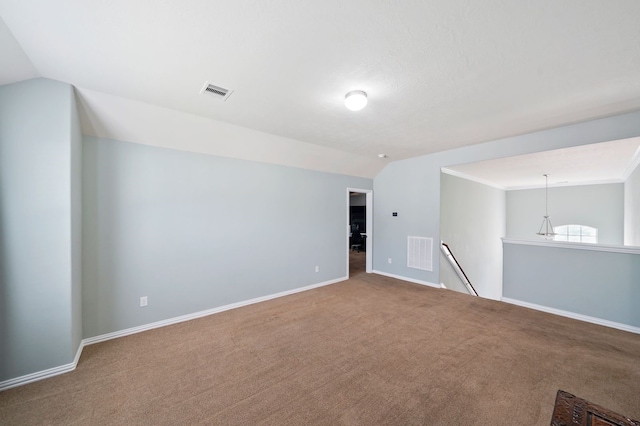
<point>440,74</point>
<point>606,162</point>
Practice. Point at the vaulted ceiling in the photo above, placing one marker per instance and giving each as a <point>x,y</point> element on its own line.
<point>439,74</point>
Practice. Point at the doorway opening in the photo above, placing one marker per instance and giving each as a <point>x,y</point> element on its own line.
<point>359,237</point>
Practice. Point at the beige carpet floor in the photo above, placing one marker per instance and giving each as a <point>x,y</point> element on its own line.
<point>368,351</point>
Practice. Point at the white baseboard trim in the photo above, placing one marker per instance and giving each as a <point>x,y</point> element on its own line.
<point>44,374</point>
<point>200,314</point>
<point>573,315</point>
<point>78,353</point>
<point>411,280</point>
<point>51,372</point>
<point>442,285</point>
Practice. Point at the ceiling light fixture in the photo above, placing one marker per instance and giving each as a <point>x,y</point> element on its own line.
<point>382,155</point>
<point>355,100</point>
<point>546,229</point>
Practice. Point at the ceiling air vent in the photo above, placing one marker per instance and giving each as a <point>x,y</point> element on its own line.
<point>216,92</point>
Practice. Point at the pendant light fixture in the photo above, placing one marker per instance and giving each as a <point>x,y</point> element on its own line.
<point>546,229</point>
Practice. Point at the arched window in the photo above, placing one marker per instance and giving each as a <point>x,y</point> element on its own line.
<point>576,233</point>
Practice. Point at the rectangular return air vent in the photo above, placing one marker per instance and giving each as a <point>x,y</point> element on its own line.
<point>420,253</point>
<point>215,92</point>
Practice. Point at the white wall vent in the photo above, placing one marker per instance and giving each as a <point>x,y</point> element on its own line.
<point>420,253</point>
<point>216,92</point>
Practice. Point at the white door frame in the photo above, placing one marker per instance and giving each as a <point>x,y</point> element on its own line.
<point>369,240</point>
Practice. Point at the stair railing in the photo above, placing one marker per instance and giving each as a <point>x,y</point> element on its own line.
<point>456,267</point>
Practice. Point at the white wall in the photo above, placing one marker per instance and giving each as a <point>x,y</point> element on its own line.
<point>598,206</point>
<point>632,209</point>
<point>472,223</point>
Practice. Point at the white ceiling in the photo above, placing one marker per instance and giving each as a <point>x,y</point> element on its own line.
<point>607,162</point>
<point>440,74</point>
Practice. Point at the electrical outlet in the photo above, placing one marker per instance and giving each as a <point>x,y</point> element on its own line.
<point>317,269</point>
<point>389,260</point>
<point>143,301</point>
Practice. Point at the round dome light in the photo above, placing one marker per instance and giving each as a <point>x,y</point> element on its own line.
<point>355,100</point>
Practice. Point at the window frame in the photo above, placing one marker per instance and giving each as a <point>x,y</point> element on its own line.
<point>564,232</point>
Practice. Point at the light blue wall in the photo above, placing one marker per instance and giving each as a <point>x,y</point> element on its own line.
<point>632,209</point>
<point>76,224</point>
<point>472,223</point>
<point>412,187</point>
<point>598,206</point>
<point>38,269</point>
<point>194,232</point>
<point>596,284</point>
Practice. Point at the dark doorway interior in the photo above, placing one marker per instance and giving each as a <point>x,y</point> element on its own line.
<point>358,218</point>
<point>357,232</point>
